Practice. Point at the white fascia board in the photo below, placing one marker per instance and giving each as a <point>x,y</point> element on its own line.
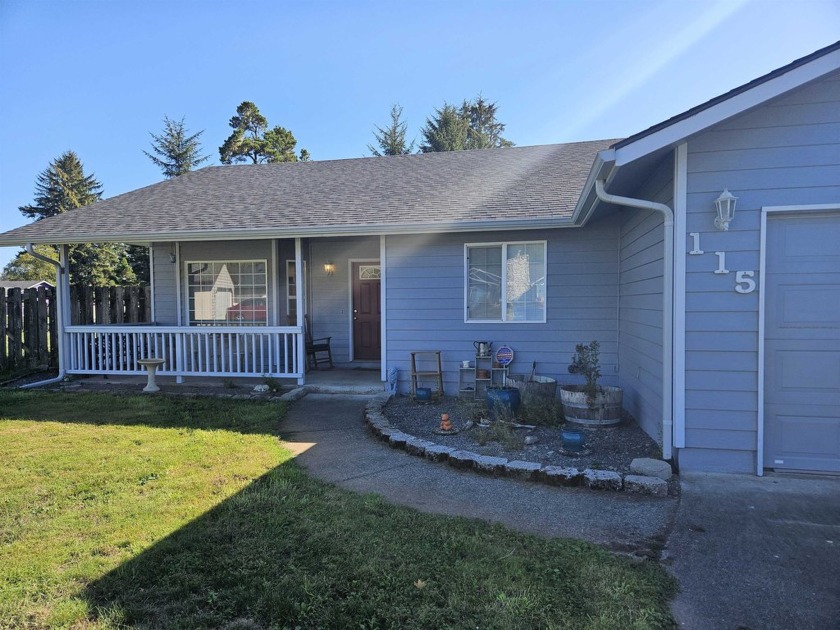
<point>602,168</point>
<point>250,235</point>
<point>739,103</point>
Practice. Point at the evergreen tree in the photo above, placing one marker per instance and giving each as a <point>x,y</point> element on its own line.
<point>176,152</point>
<point>445,131</point>
<point>472,126</point>
<point>484,132</point>
<point>253,141</point>
<point>391,140</point>
<point>63,187</point>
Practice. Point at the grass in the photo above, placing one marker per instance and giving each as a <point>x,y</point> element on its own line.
<point>156,512</point>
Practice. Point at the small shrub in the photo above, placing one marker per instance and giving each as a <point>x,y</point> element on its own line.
<point>228,383</point>
<point>585,361</point>
<point>543,412</point>
<point>273,384</point>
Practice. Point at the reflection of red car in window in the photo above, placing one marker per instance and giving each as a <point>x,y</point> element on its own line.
<point>248,311</point>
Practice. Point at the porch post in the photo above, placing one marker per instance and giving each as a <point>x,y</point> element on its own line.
<point>62,310</point>
<point>300,285</point>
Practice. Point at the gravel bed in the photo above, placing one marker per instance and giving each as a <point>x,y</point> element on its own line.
<point>606,449</point>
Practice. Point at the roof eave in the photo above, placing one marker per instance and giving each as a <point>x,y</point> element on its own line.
<point>10,239</point>
<point>630,150</point>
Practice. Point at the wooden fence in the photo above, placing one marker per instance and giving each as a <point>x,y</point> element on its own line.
<point>29,320</point>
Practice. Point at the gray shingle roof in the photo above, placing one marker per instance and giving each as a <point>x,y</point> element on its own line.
<point>515,186</point>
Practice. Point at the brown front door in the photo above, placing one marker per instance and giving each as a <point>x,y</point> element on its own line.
<point>366,311</point>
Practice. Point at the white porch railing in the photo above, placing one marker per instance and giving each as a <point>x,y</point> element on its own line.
<point>186,351</point>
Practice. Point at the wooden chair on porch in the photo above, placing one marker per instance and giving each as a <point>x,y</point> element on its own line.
<point>314,347</point>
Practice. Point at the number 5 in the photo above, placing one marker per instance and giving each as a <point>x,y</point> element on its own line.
<point>744,282</point>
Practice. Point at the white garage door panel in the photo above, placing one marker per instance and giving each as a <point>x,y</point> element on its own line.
<point>802,342</point>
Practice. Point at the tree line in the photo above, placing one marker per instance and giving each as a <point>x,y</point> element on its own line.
<point>63,186</point>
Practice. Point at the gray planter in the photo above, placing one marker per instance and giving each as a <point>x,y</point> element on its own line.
<point>605,410</point>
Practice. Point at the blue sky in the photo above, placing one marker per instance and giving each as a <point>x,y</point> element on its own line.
<point>97,76</point>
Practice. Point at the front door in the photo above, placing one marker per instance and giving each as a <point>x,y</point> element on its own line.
<point>802,343</point>
<point>366,311</point>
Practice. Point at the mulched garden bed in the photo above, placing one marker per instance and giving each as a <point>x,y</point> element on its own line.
<point>606,449</point>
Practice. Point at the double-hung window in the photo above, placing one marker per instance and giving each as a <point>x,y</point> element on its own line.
<point>227,293</point>
<point>505,282</point>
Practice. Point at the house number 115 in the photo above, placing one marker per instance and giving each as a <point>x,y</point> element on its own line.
<point>744,280</point>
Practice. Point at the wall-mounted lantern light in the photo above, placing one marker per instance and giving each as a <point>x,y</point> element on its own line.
<point>329,268</point>
<point>725,207</point>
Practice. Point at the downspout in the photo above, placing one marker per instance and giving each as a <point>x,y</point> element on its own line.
<point>60,269</point>
<point>667,305</point>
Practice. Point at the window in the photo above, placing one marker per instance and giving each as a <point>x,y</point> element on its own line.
<point>232,293</point>
<point>505,282</point>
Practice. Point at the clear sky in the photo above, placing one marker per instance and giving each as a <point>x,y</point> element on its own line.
<point>96,77</point>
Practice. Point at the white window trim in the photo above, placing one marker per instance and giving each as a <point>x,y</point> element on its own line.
<point>186,284</point>
<point>504,245</point>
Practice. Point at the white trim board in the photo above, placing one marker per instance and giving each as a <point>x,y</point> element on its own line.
<point>765,211</point>
<point>678,346</point>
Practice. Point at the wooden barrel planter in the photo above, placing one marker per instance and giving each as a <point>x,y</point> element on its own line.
<point>535,390</point>
<point>605,410</point>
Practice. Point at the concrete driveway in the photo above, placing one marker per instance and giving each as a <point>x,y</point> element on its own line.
<point>756,552</point>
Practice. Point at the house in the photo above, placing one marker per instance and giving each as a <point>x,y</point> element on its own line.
<point>25,284</point>
<point>724,335</point>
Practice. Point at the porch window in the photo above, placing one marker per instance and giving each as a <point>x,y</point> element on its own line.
<point>505,282</point>
<point>227,293</point>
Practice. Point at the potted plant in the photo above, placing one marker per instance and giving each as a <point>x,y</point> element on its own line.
<point>590,404</point>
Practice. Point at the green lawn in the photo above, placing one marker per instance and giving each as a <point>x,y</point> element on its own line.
<point>156,512</point>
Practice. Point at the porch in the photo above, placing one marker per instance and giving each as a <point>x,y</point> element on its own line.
<point>337,381</point>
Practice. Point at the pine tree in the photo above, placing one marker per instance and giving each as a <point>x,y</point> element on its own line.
<point>445,131</point>
<point>472,126</point>
<point>253,141</point>
<point>176,152</point>
<point>391,139</point>
<point>63,187</point>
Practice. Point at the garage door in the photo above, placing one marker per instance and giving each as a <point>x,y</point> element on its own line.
<point>802,343</point>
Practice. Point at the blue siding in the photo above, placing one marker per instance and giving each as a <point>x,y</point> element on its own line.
<point>786,152</point>
<point>425,301</point>
<point>640,307</point>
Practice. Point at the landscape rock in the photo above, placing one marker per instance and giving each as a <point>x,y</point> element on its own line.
<point>486,463</point>
<point>521,469</point>
<point>651,468</point>
<point>601,479</point>
<point>397,439</point>
<point>531,439</point>
<point>639,484</point>
<point>438,452</point>
<point>562,476</point>
<point>416,446</point>
<point>463,459</point>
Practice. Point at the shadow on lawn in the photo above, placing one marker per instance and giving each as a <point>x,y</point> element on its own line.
<point>158,411</point>
<point>228,564</point>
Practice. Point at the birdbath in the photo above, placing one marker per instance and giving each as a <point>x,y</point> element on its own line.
<point>151,366</point>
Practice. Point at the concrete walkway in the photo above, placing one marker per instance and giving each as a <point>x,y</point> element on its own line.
<point>335,445</point>
<point>757,552</point>
<point>749,553</point>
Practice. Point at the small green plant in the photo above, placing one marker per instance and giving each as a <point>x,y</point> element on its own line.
<point>228,383</point>
<point>585,361</point>
<point>544,412</point>
<point>273,384</point>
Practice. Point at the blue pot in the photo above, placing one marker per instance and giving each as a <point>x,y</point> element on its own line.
<point>572,440</point>
<point>503,400</point>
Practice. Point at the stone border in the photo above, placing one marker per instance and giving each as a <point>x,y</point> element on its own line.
<point>501,467</point>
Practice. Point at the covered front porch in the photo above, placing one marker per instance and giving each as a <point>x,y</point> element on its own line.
<point>241,309</point>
